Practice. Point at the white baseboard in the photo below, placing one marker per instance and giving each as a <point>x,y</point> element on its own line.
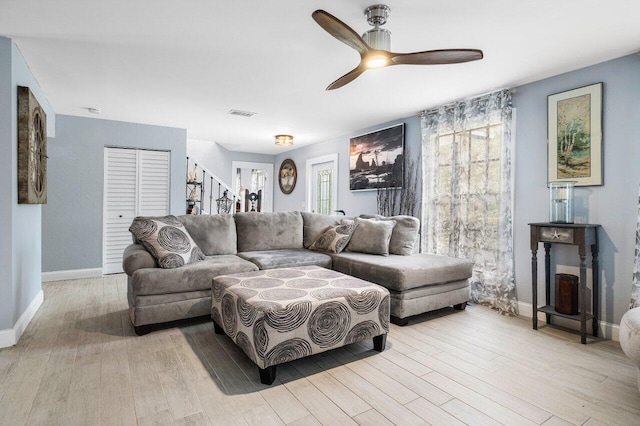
<point>606,329</point>
<point>7,338</point>
<point>11,336</point>
<point>72,274</point>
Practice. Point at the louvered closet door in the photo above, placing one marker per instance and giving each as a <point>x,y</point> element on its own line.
<point>136,183</point>
<point>153,183</point>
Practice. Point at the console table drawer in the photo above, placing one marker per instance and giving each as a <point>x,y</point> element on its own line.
<point>556,235</point>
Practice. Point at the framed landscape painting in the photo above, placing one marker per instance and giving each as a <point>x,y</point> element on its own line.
<point>575,136</point>
<point>376,159</point>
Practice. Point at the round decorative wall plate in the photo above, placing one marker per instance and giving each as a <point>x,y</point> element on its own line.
<point>287,176</point>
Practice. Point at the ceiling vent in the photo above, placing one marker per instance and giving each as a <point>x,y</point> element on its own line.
<point>241,113</point>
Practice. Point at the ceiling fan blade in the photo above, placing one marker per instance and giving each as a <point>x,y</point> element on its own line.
<point>347,78</point>
<point>434,57</point>
<point>340,30</point>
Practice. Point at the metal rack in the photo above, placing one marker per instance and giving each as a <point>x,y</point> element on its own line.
<point>194,188</point>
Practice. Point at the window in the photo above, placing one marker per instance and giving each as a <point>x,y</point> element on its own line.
<point>323,191</point>
<point>473,156</point>
<point>321,188</point>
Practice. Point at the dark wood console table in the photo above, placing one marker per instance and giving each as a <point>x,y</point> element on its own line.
<point>583,236</point>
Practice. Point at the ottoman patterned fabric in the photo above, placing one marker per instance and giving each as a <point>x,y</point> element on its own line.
<point>279,315</point>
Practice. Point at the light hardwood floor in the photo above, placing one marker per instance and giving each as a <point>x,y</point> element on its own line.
<point>79,362</point>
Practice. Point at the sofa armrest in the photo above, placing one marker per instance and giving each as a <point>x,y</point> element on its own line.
<point>136,257</point>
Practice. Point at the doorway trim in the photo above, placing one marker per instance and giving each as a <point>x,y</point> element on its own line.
<point>308,178</point>
<point>268,196</point>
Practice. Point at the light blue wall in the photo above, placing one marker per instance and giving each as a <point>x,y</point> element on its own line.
<point>613,205</point>
<point>72,219</point>
<point>6,187</point>
<point>20,243</point>
<point>352,202</point>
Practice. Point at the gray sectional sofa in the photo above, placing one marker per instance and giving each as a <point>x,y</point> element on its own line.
<point>246,242</point>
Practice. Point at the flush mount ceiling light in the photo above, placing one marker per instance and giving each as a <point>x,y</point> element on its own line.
<point>240,113</point>
<point>374,45</point>
<point>284,140</point>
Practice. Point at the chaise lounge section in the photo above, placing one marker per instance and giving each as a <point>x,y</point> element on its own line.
<point>418,283</point>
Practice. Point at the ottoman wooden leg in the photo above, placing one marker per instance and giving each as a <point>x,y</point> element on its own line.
<point>460,306</point>
<point>379,342</point>
<point>267,375</point>
<point>399,321</point>
<point>141,330</point>
<point>217,328</point>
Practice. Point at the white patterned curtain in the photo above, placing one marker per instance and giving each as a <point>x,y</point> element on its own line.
<point>635,289</point>
<point>467,202</point>
<point>258,178</point>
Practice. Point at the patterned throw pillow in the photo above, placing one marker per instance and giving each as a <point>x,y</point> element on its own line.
<point>167,240</point>
<point>335,238</point>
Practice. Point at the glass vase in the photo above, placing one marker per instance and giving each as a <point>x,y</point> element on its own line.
<point>561,201</point>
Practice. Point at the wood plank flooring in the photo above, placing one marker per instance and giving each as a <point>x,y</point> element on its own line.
<point>79,363</point>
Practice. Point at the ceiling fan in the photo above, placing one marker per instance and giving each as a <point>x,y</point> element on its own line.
<point>374,45</point>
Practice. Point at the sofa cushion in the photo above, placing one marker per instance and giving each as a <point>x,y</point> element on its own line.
<point>430,290</point>
<point>403,272</point>
<point>193,277</point>
<point>167,240</point>
<point>405,234</point>
<point>314,224</point>
<point>270,259</point>
<point>268,231</point>
<point>334,239</point>
<point>214,234</point>
<point>371,236</point>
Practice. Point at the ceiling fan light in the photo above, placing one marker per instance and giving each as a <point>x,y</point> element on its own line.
<point>376,61</point>
<point>378,38</point>
<point>284,140</point>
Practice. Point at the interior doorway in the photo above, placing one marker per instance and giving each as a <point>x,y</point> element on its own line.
<point>252,184</point>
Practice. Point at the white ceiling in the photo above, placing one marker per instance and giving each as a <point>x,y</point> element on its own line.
<point>186,63</point>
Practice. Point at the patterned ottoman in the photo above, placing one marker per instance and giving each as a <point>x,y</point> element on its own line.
<point>279,315</point>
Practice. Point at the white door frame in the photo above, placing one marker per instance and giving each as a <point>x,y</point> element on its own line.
<point>309,180</point>
<point>268,189</point>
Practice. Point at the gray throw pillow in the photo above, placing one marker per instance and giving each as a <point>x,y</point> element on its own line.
<point>371,236</point>
<point>167,240</point>
<point>334,239</point>
<point>405,234</point>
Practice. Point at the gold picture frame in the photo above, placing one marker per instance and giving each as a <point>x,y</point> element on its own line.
<point>575,136</point>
